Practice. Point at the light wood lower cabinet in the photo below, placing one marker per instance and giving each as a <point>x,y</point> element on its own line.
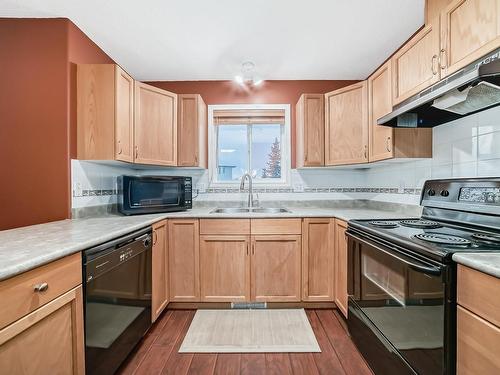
<point>49,340</point>
<point>477,345</point>
<point>159,269</point>
<point>225,268</point>
<point>341,266</point>
<point>478,322</point>
<point>276,268</point>
<point>183,259</point>
<point>318,243</point>
<point>346,125</point>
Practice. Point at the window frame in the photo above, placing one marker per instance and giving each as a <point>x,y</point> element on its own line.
<point>284,181</point>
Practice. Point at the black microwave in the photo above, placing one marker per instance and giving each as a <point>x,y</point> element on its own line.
<point>154,194</point>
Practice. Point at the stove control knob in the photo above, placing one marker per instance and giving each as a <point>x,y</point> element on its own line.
<point>445,193</point>
<point>431,192</point>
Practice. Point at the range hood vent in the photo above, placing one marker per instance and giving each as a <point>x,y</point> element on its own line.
<point>470,90</point>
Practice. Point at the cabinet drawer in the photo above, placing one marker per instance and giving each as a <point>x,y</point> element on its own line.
<point>225,226</point>
<point>478,292</point>
<point>276,226</point>
<point>18,293</point>
<point>477,345</point>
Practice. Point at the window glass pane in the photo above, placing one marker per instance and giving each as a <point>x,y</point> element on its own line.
<point>232,152</point>
<point>266,151</point>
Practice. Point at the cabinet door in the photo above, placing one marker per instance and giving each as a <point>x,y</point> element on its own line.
<point>47,341</point>
<point>318,260</point>
<point>469,30</point>
<point>183,260</point>
<point>380,104</point>
<point>477,344</point>
<point>191,131</point>
<point>159,269</point>
<point>225,268</point>
<point>310,145</point>
<point>346,131</point>
<point>341,266</point>
<point>415,65</point>
<point>275,268</point>
<point>124,115</point>
<point>155,125</point>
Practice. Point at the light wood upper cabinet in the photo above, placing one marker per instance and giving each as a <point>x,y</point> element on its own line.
<point>415,66</point>
<point>275,268</point>
<point>387,142</point>
<point>184,260</point>
<point>159,269</point>
<point>310,130</point>
<point>225,268</point>
<point>318,259</point>
<point>380,104</point>
<point>469,30</point>
<point>346,129</point>
<point>192,131</point>
<point>105,113</point>
<point>341,266</point>
<point>48,340</point>
<point>155,125</point>
<point>124,115</point>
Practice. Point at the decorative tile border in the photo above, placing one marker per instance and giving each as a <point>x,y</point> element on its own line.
<point>316,190</point>
<point>99,192</point>
<point>94,193</point>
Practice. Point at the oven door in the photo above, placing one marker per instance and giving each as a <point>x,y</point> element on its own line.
<point>397,300</point>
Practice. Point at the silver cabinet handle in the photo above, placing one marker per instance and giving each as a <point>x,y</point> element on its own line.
<point>442,58</point>
<point>42,287</point>
<point>366,151</point>
<point>388,144</point>
<point>433,65</point>
<point>120,150</point>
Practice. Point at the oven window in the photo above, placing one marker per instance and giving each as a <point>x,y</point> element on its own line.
<point>154,193</point>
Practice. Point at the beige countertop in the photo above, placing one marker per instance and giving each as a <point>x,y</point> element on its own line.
<point>488,263</point>
<point>23,249</point>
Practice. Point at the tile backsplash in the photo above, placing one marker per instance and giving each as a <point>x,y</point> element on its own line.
<point>467,147</point>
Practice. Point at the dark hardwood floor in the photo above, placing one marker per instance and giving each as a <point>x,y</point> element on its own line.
<point>158,352</point>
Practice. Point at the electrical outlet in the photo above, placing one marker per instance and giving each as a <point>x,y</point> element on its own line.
<point>298,188</point>
<point>77,189</point>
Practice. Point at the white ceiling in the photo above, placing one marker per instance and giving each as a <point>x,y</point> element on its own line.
<point>209,39</point>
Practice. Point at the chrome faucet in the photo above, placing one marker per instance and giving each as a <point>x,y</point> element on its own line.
<point>250,188</point>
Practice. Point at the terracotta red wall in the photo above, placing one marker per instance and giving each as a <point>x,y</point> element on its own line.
<point>33,122</point>
<point>270,92</point>
<point>35,117</point>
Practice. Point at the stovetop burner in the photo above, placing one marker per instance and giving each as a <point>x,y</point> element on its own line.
<point>384,224</point>
<point>488,237</point>
<point>443,239</point>
<point>419,223</point>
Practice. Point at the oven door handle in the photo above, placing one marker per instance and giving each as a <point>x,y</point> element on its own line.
<point>418,267</point>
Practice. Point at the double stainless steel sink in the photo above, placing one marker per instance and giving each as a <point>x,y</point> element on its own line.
<point>242,210</point>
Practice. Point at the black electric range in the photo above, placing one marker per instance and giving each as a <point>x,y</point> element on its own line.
<point>402,279</point>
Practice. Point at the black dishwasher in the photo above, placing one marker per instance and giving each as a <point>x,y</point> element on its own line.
<point>117,288</point>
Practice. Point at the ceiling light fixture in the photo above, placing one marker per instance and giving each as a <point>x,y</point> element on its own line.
<point>248,76</point>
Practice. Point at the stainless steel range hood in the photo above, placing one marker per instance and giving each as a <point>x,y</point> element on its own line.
<point>470,90</point>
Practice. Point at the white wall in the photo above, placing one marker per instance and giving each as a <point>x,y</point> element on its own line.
<point>467,147</point>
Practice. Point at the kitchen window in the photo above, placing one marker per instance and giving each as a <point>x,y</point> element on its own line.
<point>249,138</point>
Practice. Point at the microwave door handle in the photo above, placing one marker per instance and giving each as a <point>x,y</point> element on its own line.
<point>417,267</point>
